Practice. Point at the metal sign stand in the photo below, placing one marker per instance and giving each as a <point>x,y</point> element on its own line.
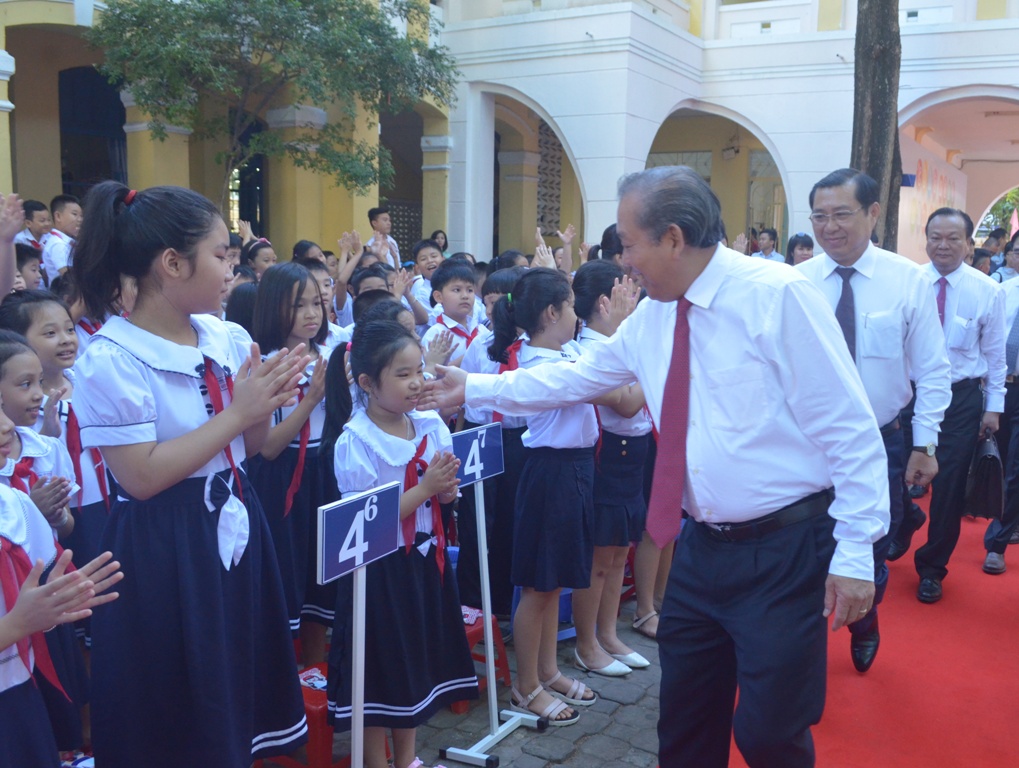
<point>475,450</point>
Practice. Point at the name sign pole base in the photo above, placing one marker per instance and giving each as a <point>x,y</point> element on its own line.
<point>477,754</point>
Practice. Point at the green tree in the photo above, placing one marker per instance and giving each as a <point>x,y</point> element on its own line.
<point>1000,214</point>
<point>216,66</point>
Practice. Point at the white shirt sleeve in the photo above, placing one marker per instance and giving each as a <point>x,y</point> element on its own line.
<point>992,348</point>
<point>928,365</point>
<point>113,401</point>
<point>354,465</point>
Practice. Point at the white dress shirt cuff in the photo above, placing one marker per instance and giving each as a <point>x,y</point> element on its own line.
<point>994,403</point>
<point>923,436</point>
<point>853,559</point>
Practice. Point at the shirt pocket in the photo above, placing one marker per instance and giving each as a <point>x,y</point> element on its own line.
<point>962,333</point>
<point>738,396</point>
<point>881,335</point>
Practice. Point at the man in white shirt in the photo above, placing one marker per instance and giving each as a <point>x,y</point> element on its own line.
<point>382,225</point>
<point>754,431</point>
<point>766,240</point>
<point>890,325</point>
<point>1001,533</point>
<point>971,308</point>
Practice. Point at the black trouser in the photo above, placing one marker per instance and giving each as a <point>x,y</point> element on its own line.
<point>744,613</point>
<point>956,443</point>
<point>912,516</point>
<point>1000,531</point>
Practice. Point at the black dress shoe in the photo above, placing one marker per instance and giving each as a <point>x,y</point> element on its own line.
<point>929,591</point>
<point>904,537</point>
<point>863,648</point>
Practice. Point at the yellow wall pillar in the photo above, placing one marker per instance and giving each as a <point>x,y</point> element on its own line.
<point>571,209</point>
<point>344,210</point>
<point>518,199</point>
<point>992,9</point>
<point>6,167</point>
<point>435,147</point>
<point>151,162</point>
<point>829,15</point>
<point>294,194</point>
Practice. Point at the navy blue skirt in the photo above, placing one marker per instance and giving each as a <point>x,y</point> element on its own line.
<point>26,739</point>
<point>416,660</point>
<point>68,663</point>
<point>552,545</point>
<point>193,661</point>
<point>84,542</point>
<point>295,536</point>
<point>620,511</point>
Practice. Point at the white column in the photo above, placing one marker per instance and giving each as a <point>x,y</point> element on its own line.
<point>471,171</point>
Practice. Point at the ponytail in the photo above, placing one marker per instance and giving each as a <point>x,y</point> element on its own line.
<point>536,291</point>
<point>504,329</point>
<point>339,405</point>
<point>593,280</point>
<point>123,232</point>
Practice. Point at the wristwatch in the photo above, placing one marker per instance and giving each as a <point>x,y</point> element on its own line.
<point>930,449</point>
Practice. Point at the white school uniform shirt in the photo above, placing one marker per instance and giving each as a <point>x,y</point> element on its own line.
<point>974,329</point>
<point>56,254</point>
<point>480,316</point>
<point>335,337</point>
<point>476,360</point>
<point>773,256</point>
<point>84,329</point>
<point>366,457</point>
<point>460,345</point>
<point>421,288</point>
<point>49,458</point>
<point>23,525</point>
<point>318,414</point>
<point>770,421</point>
<point>135,387</point>
<point>898,336</point>
<point>24,237</point>
<point>394,250</point>
<point>345,314</point>
<point>1004,274</point>
<point>91,492</point>
<point>1010,294</point>
<point>635,426</point>
<point>573,426</point>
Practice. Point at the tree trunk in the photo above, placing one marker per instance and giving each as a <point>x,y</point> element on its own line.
<point>876,108</point>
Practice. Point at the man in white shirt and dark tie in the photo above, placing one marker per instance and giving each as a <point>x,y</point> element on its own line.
<point>971,311</point>
<point>754,432</point>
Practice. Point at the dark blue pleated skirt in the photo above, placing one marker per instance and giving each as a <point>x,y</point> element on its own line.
<point>26,739</point>
<point>193,662</point>
<point>552,545</point>
<point>68,663</point>
<point>416,658</point>
<point>294,535</point>
<point>84,542</point>
<point>620,511</point>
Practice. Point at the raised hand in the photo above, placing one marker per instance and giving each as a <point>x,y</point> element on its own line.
<point>584,248</point>
<point>438,350</point>
<point>543,257</point>
<point>51,426</point>
<point>538,239</point>
<point>568,235</point>
<point>740,243</point>
<point>440,477</point>
<point>401,283</point>
<point>12,218</point>
<point>261,387</point>
<point>50,495</point>
<point>244,230</point>
<point>317,384</point>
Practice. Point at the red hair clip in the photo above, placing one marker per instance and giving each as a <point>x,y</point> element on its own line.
<point>129,197</point>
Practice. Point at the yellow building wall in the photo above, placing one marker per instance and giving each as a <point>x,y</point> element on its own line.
<point>992,9</point>
<point>829,15</point>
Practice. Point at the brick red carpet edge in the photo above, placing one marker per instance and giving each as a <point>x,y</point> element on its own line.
<point>944,689</point>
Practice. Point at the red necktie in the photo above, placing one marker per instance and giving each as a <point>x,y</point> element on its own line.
<point>456,330</point>
<point>88,327</point>
<point>35,244</point>
<point>15,566</point>
<point>24,479</point>
<point>943,284</point>
<point>409,523</point>
<point>75,450</point>
<point>511,364</point>
<point>665,512</point>
<point>216,398</point>
<point>302,451</point>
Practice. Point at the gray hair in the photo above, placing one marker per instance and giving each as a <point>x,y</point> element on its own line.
<point>675,195</point>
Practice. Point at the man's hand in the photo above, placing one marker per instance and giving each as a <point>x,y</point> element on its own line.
<point>448,391</point>
<point>921,468</point>
<point>846,599</point>
<point>989,423</point>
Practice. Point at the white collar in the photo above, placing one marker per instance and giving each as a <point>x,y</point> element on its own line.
<point>395,451</point>
<point>162,354</point>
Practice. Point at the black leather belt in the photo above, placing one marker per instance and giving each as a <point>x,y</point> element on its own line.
<point>811,506</point>
<point>890,428</point>
<point>965,384</point>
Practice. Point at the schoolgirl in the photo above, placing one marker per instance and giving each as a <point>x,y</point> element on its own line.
<point>46,323</point>
<point>292,475</point>
<point>258,255</point>
<point>419,661</point>
<point>196,657</point>
<point>603,300</point>
<point>500,491</point>
<point>552,545</point>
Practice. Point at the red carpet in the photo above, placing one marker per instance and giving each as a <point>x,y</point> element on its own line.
<point>944,690</point>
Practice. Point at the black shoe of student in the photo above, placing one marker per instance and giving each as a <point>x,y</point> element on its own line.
<point>904,538</point>
<point>863,648</point>
<point>929,590</point>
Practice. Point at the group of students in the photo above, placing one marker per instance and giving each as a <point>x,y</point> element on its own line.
<point>136,421</point>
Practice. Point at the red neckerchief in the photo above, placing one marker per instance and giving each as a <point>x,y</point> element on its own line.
<point>302,451</point>
<point>35,244</point>
<point>456,330</point>
<point>74,448</point>
<point>24,478</point>
<point>408,524</point>
<point>216,398</point>
<point>511,364</point>
<point>15,566</point>
<point>89,327</point>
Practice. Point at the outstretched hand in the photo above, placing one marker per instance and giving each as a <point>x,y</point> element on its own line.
<point>447,391</point>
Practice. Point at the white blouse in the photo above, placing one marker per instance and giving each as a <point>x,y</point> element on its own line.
<point>574,426</point>
<point>476,360</point>
<point>50,458</point>
<point>366,457</point>
<point>635,426</point>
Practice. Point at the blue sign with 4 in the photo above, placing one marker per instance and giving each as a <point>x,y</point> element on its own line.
<point>480,453</point>
<point>357,530</point>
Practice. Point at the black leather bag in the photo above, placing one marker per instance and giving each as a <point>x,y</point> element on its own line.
<point>985,486</point>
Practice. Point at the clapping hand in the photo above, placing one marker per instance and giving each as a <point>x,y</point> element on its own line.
<point>440,477</point>
<point>439,349</point>
<point>261,387</point>
<point>51,413</point>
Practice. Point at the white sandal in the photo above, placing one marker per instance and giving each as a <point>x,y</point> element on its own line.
<point>573,696</point>
<point>550,713</point>
<point>641,621</point>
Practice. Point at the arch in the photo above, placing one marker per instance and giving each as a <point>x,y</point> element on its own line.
<point>997,197</point>
<point>741,120</point>
<point>958,93</point>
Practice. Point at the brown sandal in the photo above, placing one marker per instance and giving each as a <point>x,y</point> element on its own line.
<point>639,622</point>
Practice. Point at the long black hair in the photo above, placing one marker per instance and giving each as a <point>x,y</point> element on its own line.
<point>11,345</point>
<point>17,311</point>
<point>339,405</point>
<point>533,293</point>
<point>276,306</point>
<point>240,307</point>
<point>593,280</point>
<point>123,232</point>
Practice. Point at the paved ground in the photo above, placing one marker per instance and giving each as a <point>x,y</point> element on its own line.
<point>619,730</point>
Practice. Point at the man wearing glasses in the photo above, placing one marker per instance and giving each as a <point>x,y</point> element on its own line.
<point>887,313</point>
